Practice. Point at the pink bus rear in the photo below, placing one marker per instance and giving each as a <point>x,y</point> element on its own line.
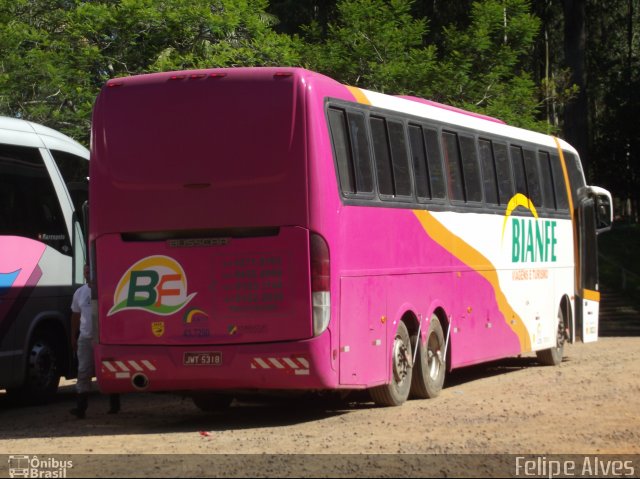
<point>200,233</point>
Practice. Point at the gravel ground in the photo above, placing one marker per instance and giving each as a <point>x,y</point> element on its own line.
<point>590,404</point>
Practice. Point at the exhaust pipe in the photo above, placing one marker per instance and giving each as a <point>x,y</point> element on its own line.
<point>140,381</point>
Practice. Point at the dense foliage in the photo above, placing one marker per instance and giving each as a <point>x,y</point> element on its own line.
<point>569,68</point>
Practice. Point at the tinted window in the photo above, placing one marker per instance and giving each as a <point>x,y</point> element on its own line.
<point>382,157</point>
<point>546,180</point>
<point>75,173</point>
<point>434,160</point>
<point>488,172</point>
<point>558,183</point>
<point>503,172</point>
<point>400,159</point>
<point>361,156</point>
<point>533,178</point>
<point>470,169</point>
<point>419,158</point>
<point>576,177</point>
<point>517,163</point>
<point>342,149</point>
<point>29,205</point>
<point>452,160</point>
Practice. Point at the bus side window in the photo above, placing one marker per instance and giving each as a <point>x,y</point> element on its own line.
<point>399,158</point>
<point>75,173</point>
<point>30,206</point>
<point>488,172</point>
<point>503,172</point>
<point>559,183</point>
<point>434,161</point>
<point>470,169</point>
<point>382,155</point>
<point>548,195</point>
<point>533,177</point>
<point>419,157</point>
<point>361,155</point>
<point>452,162</point>
<point>517,162</point>
<point>342,149</point>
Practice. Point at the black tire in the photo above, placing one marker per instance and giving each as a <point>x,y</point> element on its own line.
<point>430,364</point>
<point>212,402</point>
<point>397,392</point>
<point>553,356</point>
<point>42,375</point>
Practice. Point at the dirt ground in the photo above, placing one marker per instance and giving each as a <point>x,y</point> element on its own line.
<point>590,404</point>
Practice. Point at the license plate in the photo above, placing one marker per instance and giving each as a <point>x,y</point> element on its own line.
<point>202,359</point>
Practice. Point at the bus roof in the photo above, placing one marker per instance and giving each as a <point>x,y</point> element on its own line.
<point>20,132</point>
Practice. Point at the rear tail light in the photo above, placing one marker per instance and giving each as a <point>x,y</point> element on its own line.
<point>320,283</point>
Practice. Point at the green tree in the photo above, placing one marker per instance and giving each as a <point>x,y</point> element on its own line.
<point>375,44</point>
<point>56,54</point>
<point>613,64</point>
<point>484,66</point>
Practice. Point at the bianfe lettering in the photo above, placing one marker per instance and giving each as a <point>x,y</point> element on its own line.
<point>533,240</point>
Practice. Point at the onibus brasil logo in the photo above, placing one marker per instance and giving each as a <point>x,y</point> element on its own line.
<point>156,284</point>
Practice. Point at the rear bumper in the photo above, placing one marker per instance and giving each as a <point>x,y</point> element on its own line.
<point>298,365</point>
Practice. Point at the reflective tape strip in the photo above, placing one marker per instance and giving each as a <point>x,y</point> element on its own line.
<point>109,366</point>
<point>148,365</point>
<point>299,365</point>
<point>262,363</point>
<point>122,366</point>
<point>276,363</point>
<point>290,363</point>
<point>135,366</point>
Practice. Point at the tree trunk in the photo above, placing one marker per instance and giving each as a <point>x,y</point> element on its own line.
<point>576,124</point>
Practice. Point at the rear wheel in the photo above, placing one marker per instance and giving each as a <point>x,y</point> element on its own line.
<point>397,391</point>
<point>212,402</point>
<point>553,356</point>
<point>430,363</point>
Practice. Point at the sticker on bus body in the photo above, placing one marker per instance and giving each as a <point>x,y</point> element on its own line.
<point>156,284</point>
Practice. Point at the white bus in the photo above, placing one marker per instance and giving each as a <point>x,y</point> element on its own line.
<point>43,183</point>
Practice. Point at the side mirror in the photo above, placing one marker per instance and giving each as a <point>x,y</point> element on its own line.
<point>603,208</point>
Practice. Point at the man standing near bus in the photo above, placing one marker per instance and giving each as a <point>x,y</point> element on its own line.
<point>82,342</point>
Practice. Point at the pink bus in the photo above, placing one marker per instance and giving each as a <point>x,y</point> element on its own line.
<point>273,229</point>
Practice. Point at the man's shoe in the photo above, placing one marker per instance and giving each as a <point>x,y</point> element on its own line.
<point>77,412</point>
<point>114,404</point>
<point>82,401</point>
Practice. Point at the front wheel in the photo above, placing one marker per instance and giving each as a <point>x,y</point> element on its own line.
<point>43,372</point>
<point>553,356</point>
<point>397,391</point>
<point>430,365</point>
